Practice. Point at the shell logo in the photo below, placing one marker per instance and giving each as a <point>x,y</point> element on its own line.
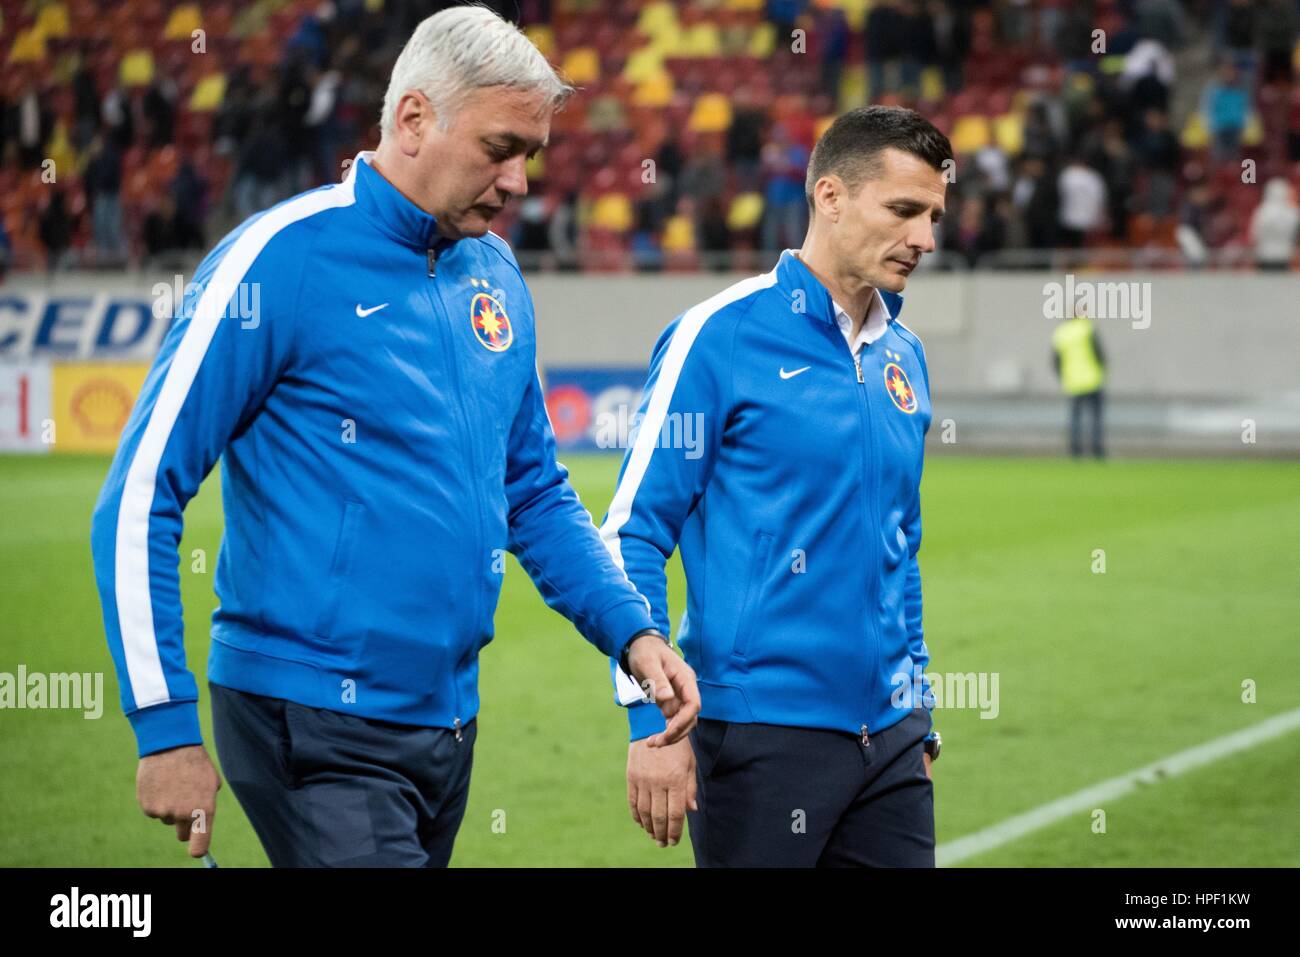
<point>101,407</point>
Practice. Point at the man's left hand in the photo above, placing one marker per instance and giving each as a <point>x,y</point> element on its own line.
<point>926,759</point>
<point>669,682</point>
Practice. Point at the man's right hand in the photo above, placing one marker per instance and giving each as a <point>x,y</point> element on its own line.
<point>660,786</point>
<point>175,786</point>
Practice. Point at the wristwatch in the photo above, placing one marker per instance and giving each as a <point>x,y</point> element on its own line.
<point>622,657</point>
<point>932,742</point>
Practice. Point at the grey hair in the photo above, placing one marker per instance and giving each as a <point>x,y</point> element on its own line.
<point>461,49</point>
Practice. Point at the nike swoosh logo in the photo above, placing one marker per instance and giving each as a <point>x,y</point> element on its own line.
<point>791,375</point>
<point>362,313</point>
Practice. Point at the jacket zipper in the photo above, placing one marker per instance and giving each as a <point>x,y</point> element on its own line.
<point>872,528</point>
<point>449,350</point>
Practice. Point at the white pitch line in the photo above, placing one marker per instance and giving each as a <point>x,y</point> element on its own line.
<point>1089,798</point>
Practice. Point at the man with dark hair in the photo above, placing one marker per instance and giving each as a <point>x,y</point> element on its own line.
<point>797,511</point>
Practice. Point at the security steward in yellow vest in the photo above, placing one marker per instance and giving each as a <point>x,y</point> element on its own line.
<point>1081,367</point>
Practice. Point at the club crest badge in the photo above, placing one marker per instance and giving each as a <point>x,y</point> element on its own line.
<point>491,325</point>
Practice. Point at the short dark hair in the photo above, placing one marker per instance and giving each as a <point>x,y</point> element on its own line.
<point>850,148</point>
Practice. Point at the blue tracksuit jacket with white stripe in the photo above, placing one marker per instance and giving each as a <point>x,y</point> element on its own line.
<point>371,391</point>
<point>787,471</point>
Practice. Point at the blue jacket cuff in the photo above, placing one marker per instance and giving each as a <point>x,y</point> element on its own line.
<point>645,719</point>
<point>621,622</point>
<point>164,726</point>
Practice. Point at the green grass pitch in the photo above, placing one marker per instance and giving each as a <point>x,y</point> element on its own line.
<point>1099,674</point>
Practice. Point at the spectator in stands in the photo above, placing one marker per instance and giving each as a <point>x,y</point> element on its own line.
<point>55,230</point>
<point>159,108</point>
<point>1149,74</point>
<point>1083,202</point>
<point>1277,39</point>
<point>745,138</point>
<point>1036,196</point>
<point>1158,153</point>
<point>785,212</point>
<point>190,195</point>
<point>33,123</point>
<point>1109,153</point>
<point>1225,103</point>
<point>103,183</point>
<point>1074,38</point>
<point>85,98</point>
<point>886,38</point>
<point>1162,21</point>
<point>919,47</point>
<point>1273,226</point>
<point>115,116</point>
<point>951,25</point>
<point>977,231</point>
<point>1237,34</point>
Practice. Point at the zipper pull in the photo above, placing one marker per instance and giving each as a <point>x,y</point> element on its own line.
<point>866,741</point>
<point>858,365</point>
<point>433,259</point>
<point>455,726</point>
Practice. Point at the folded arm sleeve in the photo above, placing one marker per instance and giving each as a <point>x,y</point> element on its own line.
<point>553,536</point>
<point>669,461</point>
<point>229,341</point>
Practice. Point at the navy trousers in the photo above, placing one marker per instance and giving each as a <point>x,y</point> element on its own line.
<point>773,796</point>
<point>327,789</point>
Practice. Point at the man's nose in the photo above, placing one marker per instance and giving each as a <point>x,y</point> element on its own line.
<point>514,177</point>
<point>921,237</point>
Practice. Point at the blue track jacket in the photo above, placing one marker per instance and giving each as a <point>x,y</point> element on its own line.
<point>788,473</point>
<point>371,390</point>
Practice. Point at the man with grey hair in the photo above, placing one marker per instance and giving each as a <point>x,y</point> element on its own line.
<point>362,359</point>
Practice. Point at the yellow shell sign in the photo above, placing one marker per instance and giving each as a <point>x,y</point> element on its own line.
<point>92,402</point>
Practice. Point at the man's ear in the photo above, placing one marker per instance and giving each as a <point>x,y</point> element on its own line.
<point>828,194</point>
<point>413,117</point>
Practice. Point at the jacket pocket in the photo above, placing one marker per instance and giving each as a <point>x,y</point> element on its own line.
<point>753,595</point>
<point>340,569</point>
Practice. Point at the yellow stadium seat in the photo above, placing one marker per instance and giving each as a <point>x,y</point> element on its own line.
<point>208,93</point>
<point>751,5</point>
<point>543,38</point>
<point>184,20</point>
<point>613,211</point>
<point>763,41</point>
<point>701,40</point>
<point>970,133</point>
<point>582,65</point>
<point>656,17</point>
<point>1009,133</point>
<point>29,47</point>
<point>679,235</point>
<point>643,63</point>
<point>1195,135</point>
<point>712,114</point>
<point>932,87</point>
<point>656,91</point>
<point>52,21</point>
<point>746,211</point>
<point>1253,134</point>
<point>136,68</point>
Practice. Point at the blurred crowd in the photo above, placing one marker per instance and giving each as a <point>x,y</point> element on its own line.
<point>140,132</point>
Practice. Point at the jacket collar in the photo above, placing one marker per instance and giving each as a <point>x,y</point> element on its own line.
<point>382,203</point>
<point>792,274</point>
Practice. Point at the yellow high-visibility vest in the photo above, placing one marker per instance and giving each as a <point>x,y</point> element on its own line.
<point>1081,371</point>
